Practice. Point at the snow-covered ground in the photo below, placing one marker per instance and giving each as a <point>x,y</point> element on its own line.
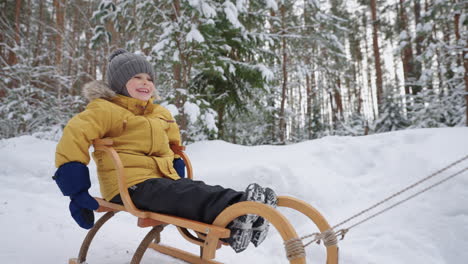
<point>338,175</point>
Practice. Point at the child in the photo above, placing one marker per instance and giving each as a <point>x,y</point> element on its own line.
<point>142,133</point>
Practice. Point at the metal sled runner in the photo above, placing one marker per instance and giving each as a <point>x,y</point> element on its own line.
<point>207,236</point>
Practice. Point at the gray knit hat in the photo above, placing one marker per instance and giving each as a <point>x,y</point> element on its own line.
<point>123,65</point>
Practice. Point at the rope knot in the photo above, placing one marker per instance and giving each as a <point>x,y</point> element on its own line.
<point>294,248</point>
<point>328,237</point>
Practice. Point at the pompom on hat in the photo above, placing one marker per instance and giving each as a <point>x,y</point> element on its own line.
<point>123,65</point>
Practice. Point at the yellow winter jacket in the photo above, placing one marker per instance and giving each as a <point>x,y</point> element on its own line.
<point>141,131</point>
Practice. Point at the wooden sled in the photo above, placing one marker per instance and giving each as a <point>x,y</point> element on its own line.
<point>207,237</point>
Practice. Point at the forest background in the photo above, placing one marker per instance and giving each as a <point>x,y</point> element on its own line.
<point>245,71</point>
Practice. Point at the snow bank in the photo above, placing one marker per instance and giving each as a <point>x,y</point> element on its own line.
<point>338,175</point>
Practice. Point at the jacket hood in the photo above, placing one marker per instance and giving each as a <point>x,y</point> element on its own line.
<point>99,89</point>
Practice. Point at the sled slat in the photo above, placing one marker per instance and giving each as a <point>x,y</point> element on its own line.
<point>180,254</point>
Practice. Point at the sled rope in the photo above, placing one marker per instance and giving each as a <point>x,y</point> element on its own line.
<point>410,197</point>
<point>407,189</point>
<point>329,237</point>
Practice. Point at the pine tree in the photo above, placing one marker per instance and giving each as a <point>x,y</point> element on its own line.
<point>391,116</point>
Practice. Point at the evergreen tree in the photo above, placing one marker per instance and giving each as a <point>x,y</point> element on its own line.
<point>293,70</point>
<point>355,125</point>
<point>391,116</point>
<point>28,110</point>
<point>442,103</point>
<point>427,111</point>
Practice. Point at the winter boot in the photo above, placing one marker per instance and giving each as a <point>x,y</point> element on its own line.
<point>241,227</point>
<point>261,226</point>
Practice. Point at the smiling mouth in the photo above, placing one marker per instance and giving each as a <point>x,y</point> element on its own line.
<point>142,90</point>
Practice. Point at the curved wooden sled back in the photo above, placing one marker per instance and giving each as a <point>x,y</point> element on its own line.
<point>207,236</point>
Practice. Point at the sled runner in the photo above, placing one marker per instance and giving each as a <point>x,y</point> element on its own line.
<point>206,236</point>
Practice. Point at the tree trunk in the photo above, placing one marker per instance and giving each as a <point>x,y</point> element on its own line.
<point>293,110</point>
<point>28,19</point>
<point>177,70</point>
<point>299,113</point>
<point>39,34</point>
<point>358,89</point>
<point>333,109</point>
<point>449,74</point>
<point>2,51</point>
<point>94,66</point>
<point>12,59</point>
<point>59,6</point>
<point>464,58</point>
<point>369,76</point>
<point>465,64</point>
<point>78,67</point>
<point>375,44</point>
<point>322,97</point>
<point>115,36</point>
<point>309,106</point>
<point>350,82</point>
<point>2,40</point>
<point>75,30</point>
<point>221,111</point>
<point>87,64</point>
<point>310,77</point>
<point>282,125</point>
<point>359,99</point>
<point>407,56</point>
<point>2,90</point>
<point>17,23</point>
<point>456,22</point>
<point>338,98</point>
<point>419,37</point>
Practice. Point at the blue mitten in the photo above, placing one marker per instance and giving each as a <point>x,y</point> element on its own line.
<point>81,207</point>
<point>73,180</point>
<point>179,166</point>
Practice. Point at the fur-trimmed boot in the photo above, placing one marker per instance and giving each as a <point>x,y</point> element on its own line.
<point>241,227</point>
<point>261,226</point>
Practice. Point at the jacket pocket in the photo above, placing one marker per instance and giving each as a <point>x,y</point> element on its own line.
<point>165,167</point>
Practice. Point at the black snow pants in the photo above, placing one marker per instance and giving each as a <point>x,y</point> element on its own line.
<point>185,198</point>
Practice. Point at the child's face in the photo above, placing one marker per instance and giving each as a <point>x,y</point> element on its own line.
<point>140,86</point>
